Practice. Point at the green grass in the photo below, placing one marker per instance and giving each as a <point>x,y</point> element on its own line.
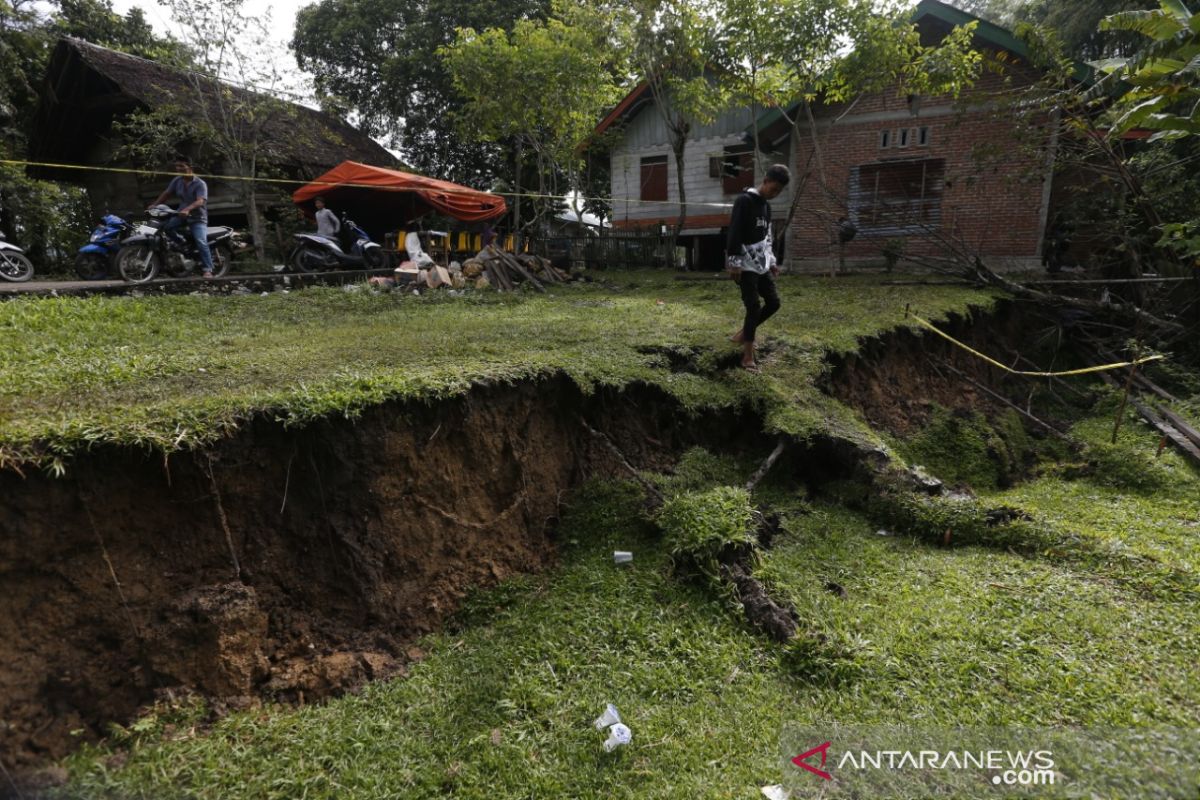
<point>180,371</point>
<point>926,634</point>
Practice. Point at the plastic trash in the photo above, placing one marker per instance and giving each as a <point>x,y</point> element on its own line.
<point>622,556</point>
<point>882,532</point>
<point>775,792</point>
<point>617,736</point>
<point>417,255</point>
<point>609,717</point>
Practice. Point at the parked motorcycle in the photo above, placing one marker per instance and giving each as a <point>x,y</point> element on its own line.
<point>95,258</point>
<point>15,266</point>
<point>352,248</point>
<point>144,255</point>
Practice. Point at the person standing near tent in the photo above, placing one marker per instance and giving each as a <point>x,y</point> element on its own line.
<point>328,225</point>
<point>193,208</point>
<point>751,259</point>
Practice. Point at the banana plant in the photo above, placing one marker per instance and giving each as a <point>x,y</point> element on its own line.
<point>1162,80</point>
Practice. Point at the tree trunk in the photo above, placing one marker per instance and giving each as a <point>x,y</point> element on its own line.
<point>254,220</point>
<point>678,145</point>
<point>518,157</point>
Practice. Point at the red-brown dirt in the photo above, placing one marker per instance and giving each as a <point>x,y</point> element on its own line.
<point>289,564</point>
<point>895,380</point>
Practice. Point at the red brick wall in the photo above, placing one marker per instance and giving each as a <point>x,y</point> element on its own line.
<point>992,200</point>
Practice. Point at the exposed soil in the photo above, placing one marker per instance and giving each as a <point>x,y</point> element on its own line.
<point>296,564</point>
<point>290,564</point>
<point>895,380</point>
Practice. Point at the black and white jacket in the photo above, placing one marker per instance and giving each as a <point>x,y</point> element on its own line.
<point>749,246</point>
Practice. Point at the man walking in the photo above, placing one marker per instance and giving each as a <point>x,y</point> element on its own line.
<point>193,208</point>
<point>751,258</point>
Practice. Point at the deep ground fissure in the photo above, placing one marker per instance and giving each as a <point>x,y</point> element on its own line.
<point>294,564</point>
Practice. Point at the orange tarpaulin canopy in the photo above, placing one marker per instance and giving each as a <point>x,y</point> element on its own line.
<point>382,199</point>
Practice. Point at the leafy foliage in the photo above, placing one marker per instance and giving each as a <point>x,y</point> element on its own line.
<point>378,58</point>
<point>1164,94</point>
<point>569,63</point>
<point>48,220</point>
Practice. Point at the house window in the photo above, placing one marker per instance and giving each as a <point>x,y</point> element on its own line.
<point>922,137</point>
<point>738,170</point>
<point>885,140</point>
<point>905,137</point>
<point>897,197</point>
<point>654,178</point>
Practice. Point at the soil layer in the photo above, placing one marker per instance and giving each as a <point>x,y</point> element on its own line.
<point>290,564</point>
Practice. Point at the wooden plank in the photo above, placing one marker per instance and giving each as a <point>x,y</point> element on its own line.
<point>1180,424</point>
<point>500,274</point>
<point>512,263</point>
<point>1167,430</point>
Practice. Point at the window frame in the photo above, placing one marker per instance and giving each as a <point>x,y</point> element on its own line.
<point>895,213</point>
<point>654,188</point>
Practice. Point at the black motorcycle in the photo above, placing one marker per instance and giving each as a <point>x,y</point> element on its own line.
<point>351,249</point>
<point>172,251</point>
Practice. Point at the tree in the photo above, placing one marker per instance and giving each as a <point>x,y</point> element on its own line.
<point>496,71</point>
<point>1076,23</point>
<point>675,48</point>
<point>230,108</point>
<point>96,21</point>
<point>791,55</point>
<point>379,59</point>
<point>50,220</point>
<point>1161,95</point>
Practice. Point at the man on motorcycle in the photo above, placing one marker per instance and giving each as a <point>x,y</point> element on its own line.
<point>193,212</point>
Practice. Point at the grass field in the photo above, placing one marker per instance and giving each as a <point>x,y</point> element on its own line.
<point>1097,629</point>
<point>176,371</point>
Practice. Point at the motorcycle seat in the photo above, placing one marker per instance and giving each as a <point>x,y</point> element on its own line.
<point>218,230</point>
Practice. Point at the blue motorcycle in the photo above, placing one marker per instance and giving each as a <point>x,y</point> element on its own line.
<point>94,258</point>
<point>352,249</point>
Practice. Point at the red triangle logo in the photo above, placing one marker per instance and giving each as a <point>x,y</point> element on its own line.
<point>801,760</point>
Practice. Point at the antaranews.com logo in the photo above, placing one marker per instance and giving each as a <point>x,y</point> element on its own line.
<point>905,761</point>
<point>1020,768</point>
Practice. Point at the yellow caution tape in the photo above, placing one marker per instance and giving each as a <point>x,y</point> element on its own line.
<point>294,182</point>
<point>1010,370</point>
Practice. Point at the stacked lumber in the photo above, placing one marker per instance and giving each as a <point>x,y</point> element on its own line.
<point>491,267</point>
<point>504,270</point>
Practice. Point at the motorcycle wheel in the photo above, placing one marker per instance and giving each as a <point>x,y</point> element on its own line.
<point>15,267</point>
<point>222,258</point>
<point>138,263</point>
<point>91,266</point>
<point>373,258</point>
<point>305,261</point>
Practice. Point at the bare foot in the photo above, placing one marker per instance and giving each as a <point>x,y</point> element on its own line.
<point>751,367</point>
<point>737,338</point>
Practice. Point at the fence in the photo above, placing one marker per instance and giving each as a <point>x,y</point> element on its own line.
<point>612,250</point>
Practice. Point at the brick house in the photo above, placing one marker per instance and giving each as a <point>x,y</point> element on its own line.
<point>909,172</point>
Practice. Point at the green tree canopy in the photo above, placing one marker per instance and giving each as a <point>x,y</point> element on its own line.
<point>378,58</point>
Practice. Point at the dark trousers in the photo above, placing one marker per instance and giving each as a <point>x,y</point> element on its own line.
<point>753,285</point>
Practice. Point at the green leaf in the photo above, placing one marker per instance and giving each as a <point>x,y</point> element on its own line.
<point>1177,8</point>
<point>1109,65</point>
<point>1155,24</point>
<point>1135,116</point>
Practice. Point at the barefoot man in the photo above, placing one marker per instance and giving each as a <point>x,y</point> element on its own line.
<point>751,259</point>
